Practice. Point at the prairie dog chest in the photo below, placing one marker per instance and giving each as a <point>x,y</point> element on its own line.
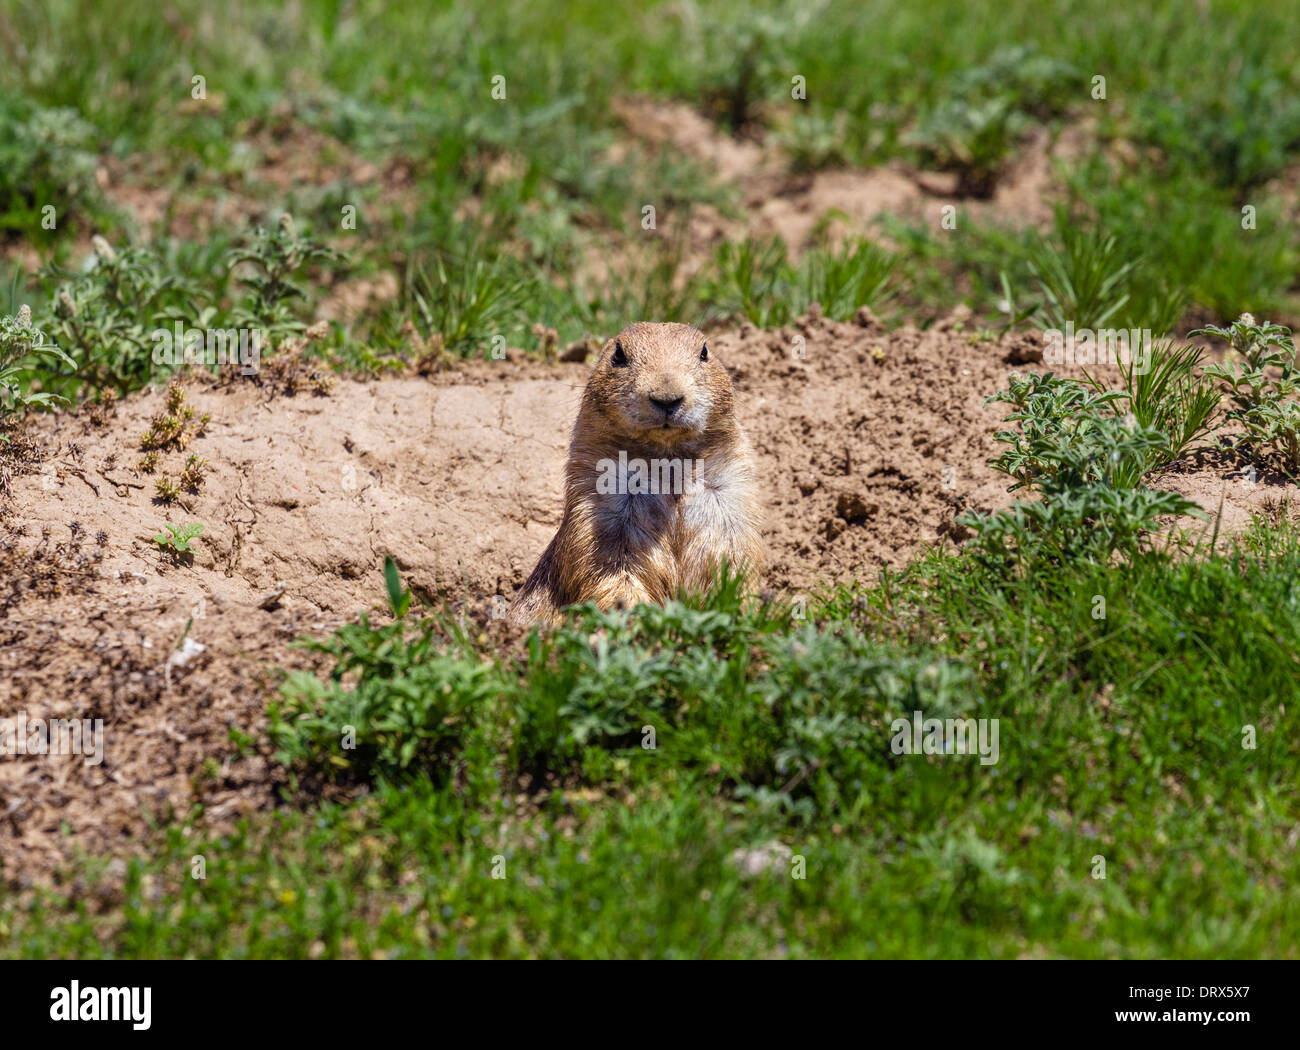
<point>659,497</point>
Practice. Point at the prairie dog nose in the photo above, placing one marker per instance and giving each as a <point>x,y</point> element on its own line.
<point>668,405</point>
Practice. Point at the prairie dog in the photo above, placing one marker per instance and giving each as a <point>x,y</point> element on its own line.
<point>660,484</point>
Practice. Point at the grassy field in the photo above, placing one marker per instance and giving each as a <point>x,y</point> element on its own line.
<point>500,197</point>
<point>714,779</point>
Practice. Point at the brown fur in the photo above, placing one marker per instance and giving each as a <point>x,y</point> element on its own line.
<point>617,549</point>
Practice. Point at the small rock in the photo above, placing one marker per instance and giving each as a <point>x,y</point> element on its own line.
<point>771,856</point>
<point>576,351</point>
<point>854,509</point>
<point>271,600</point>
<point>1024,348</point>
<point>185,654</point>
<point>955,320</point>
<point>864,318</point>
<point>807,483</point>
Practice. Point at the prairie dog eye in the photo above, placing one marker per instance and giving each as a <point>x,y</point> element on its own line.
<point>619,360</point>
<point>704,353</point>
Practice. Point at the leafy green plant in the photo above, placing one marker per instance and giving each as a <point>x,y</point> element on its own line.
<point>1239,127</point>
<point>987,110</point>
<point>749,56</point>
<point>1069,436</point>
<point>1276,424</point>
<point>270,267</point>
<point>1086,462</point>
<point>1264,387</point>
<point>971,138</point>
<point>409,699</point>
<point>23,347</point>
<point>816,142</point>
<point>118,314</point>
<point>105,314</point>
<point>1089,522</point>
<point>177,539</point>
<point>47,160</point>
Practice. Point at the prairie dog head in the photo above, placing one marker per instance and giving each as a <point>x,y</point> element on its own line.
<point>660,383</point>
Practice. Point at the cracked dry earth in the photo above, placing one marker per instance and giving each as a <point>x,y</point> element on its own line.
<point>868,446</point>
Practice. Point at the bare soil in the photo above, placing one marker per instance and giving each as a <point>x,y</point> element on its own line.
<point>777,200</point>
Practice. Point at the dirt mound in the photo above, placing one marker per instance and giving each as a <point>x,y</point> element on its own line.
<point>869,443</point>
<point>284,160</point>
<point>797,206</point>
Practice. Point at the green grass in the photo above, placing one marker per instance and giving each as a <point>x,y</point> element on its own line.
<point>510,200</point>
<point>756,280</point>
<point>1120,737</point>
